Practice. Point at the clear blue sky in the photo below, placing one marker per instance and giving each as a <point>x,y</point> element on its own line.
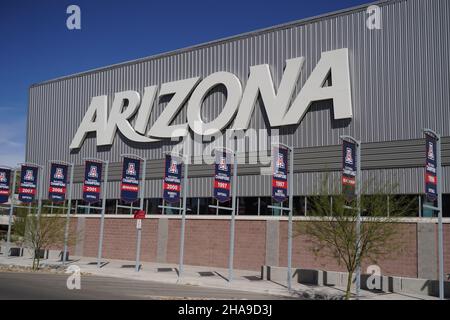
<point>35,44</point>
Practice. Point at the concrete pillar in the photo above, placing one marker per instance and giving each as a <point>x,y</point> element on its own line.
<point>272,242</point>
<point>426,251</point>
<point>80,235</point>
<point>163,236</point>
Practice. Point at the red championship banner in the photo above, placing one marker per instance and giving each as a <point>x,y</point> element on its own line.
<point>58,182</point>
<point>28,183</point>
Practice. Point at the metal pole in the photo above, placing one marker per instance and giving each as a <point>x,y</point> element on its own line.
<point>102,220</point>
<point>388,207</point>
<point>41,186</point>
<point>183,218</point>
<point>358,219</point>
<point>306,206</point>
<point>233,219</point>
<point>66,231</point>
<point>440,231</point>
<point>139,230</point>
<point>291,199</point>
<point>420,206</point>
<point>259,206</point>
<point>439,209</point>
<point>11,210</point>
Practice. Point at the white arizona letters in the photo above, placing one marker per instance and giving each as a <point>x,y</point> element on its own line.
<point>280,109</point>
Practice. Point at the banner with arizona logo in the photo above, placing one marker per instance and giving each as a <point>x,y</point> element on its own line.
<point>28,183</point>
<point>222,177</point>
<point>431,168</point>
<point>279,175</point>
<point>92,181</point>
<point>58,182</point>
<point>172,179</point>
<point>349,170</point>
<point>5,178</point>
<point>129,188</point>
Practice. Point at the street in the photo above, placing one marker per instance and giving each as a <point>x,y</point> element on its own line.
<point>45,286</point>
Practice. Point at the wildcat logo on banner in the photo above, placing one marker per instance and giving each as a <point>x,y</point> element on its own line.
<point>92,181</point>
<point>222,177</point>
<point>5,178</point>
<point>129,187</point>
<point>349,170</point>
<point>28,183</point>
<point>172,179</point>
<point>279,173</point>
<point>58,182</point>
<point>431,169</point>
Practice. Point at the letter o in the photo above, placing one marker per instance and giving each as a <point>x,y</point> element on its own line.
<point>234,94</point>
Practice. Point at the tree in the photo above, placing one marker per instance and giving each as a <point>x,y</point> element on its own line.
<point>40,232</point>
<point>334,230</point>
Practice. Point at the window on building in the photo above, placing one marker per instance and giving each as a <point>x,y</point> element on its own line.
<point>110,206</point>
<point>83,207</point>
<point>263,203</point>
<point>319,206</point>
<point>171,208</point>
<point>152,206</point>
<point>224,212</point>
<point>192,206</point>
<point>409,205</point>
<point>127,208</point>
<point>446,205</point>
<point>299,206</point>
<point>248,206</point>
<point>204,206</point>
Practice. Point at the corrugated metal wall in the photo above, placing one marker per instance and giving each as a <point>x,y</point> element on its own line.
<point>400,84</point>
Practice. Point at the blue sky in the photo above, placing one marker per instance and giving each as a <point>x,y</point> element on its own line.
<point>35,44</point>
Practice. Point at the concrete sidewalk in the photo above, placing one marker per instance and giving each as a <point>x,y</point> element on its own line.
<point>248,281</point>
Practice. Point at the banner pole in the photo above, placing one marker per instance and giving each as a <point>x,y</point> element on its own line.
<point>358,218</point>
<point>440,228</point>
<point>358,191</point>
<point>102,220</point>
<point>41,186</point>
<point>233,218</point>
<point>139,230</point>
<point>66,231</point>
<point>11,210</point>
<point>291,198</point>
<point>183,219</point>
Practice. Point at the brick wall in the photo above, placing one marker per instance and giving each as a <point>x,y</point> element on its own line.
<point>73,223</point>
<point>402,262</point>
<point>446,229</point>
<point>119,241</point>
<point>207,244</point>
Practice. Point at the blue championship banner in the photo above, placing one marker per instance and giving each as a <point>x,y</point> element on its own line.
<point>279,173</point>
<point>431,168</point>
<point>28,183</point>
<point>129,187</point>
<point>92,181</point>
<point>5,181</point>
<point>58,182</point>
<point>222,176</point>
<point>172,179</point>
<point>349,170</point>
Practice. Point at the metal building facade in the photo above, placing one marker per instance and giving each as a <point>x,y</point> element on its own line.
<point>400,80</point>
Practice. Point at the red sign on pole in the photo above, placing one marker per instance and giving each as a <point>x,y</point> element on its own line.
<point>139,214</point>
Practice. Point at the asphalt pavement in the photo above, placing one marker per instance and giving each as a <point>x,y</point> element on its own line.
<point>47,286</point>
